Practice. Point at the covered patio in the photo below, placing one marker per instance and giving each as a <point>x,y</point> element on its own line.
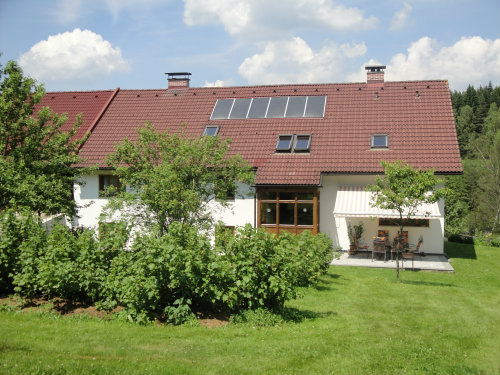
<point>353,207</point>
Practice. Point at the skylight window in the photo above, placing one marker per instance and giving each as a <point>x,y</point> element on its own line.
<point>380,141</point>
<point>284,143</point>
<point>294,143</point>
<point>211,130</point>
<point>302,143</point>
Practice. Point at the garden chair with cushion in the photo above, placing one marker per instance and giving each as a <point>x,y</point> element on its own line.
<point>410,254</point>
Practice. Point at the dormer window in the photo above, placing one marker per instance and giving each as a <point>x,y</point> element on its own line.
<point>293,143</point>
<point>211,130</point>
<point>380,141</point>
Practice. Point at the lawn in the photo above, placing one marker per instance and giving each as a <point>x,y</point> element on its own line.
<point>355,321</point>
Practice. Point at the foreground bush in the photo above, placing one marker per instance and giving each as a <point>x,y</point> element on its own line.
<point>164,277</point>
<point>263,270</point>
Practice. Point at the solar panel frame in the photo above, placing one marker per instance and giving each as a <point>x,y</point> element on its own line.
<point>240,108</point>
<point>277,107</point>
<point>295,106</point>
<point>315,107</point>
<point>222,109</point>
<point>258,108</point>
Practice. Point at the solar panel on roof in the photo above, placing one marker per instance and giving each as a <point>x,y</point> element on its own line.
<point>277,107</point>
<point>296,106</point>
<point>222,109</point>
<point>315,106</point>
<point>240,108</point>
<point>258,108</point>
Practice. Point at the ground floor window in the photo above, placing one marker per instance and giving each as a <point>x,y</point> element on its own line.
<point>289,209</point>
<point>109,185</point>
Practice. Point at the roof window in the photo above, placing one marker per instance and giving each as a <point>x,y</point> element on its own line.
<point>379,141</point>
<point>293,143</point>
<point>211,130</point>
<point>284,143</point>
<point>302,143</point>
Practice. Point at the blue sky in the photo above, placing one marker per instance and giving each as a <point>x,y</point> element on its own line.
<point>103,44</point>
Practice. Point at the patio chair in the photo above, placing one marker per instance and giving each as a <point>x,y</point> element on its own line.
<point>379,247</point>
<point>361,248</point>
<point>410,254</point>
<point>399,239</point>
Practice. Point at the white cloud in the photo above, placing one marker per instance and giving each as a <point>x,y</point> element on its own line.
<point>73,55</point>
<point>294,61</point>
<point>400,17</point>
<point>471,60</point>
<point>263,19</point>
<point>219,83</point>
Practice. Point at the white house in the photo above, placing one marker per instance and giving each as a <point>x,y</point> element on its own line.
<point>314,146</point>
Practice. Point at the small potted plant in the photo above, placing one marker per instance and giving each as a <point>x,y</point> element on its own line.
<point>355,234</point>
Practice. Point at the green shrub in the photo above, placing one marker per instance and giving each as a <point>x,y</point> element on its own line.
<point>15,230</point>
<point>164,277</point>
<point>160,276</point>
<point>260,270</point>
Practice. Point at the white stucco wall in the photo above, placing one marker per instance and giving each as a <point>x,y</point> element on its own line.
<point>243,209</point>
<point>433,236</point>
<point>88,201</point>
<point>238,212</point>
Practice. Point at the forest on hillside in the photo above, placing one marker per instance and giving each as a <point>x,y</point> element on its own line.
<point>473,206</point>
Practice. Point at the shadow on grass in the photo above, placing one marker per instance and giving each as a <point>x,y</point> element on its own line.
<point>324,283</point>
<point>428,283</point>
<point>460,250</point>
<point>292,314</point>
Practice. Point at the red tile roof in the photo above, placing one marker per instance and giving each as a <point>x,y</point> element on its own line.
<point>88,103</point>
<point>420,126</point>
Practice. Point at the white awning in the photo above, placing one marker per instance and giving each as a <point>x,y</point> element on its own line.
<point>354,201</point>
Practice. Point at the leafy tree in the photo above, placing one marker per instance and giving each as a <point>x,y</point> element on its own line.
<point>404,189</point>
<point>171,177</point>
<point>485,148</point>
<point>36,157</point>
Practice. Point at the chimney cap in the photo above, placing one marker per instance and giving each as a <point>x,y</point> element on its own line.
<point>375,68</point>
<point>177,75</point>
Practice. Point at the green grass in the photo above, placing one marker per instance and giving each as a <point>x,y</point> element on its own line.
<point>356,321</point>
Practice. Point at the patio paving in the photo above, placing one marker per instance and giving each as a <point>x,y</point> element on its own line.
<point>421,262</point>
